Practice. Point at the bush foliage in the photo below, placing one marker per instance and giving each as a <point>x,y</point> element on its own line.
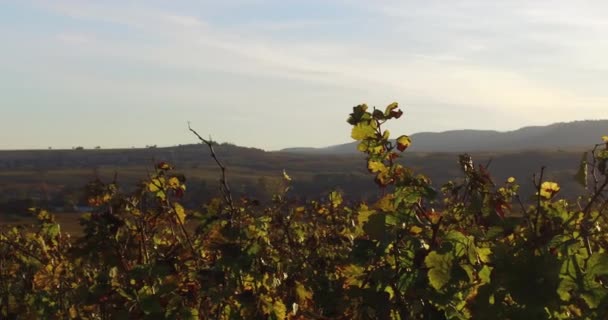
<point>472,249</point>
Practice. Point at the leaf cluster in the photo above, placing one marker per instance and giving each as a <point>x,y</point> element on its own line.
<point>471,249</point>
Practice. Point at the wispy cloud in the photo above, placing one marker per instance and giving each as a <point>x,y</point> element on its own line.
<point>541,62</point>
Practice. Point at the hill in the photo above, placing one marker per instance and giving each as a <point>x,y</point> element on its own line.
<point>558,136</point>
<point>55,178</point>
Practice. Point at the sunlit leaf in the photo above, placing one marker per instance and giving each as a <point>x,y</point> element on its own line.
<point>376,166</point>
<point>485,274</point>
<point>440,268</point>
<point>415,230</point>
<point>174,182</point>
<point>386,203</point>
<point>390,108</point>
<point>403,142</point>
<point>156,184</point>
<point>335,198</point>
<point>302,293</point>
<point>179,212</point>
<point>548,189</point>
<point>362,131</point>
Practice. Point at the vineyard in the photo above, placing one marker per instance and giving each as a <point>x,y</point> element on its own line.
<point>474,248</point>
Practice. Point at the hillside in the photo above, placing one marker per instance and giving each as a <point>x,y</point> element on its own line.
<point>558,136</point>
<point>54,178</point>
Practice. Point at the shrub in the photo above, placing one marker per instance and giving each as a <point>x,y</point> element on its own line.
<point>470,249</point>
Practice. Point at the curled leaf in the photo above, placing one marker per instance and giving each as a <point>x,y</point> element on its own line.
<point>548,189</point>
<point>403,142</point>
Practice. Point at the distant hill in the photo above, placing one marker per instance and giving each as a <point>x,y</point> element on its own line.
<point>55,178</point>
<point>558,136</point>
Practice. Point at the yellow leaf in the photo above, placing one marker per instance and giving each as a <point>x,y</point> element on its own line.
<point>605,139</point>
<point>386,203</point>
<point>352,274</point>
<point>386,134</point>
<point>174,182</point>
<point>335,198</point>
<point>376,149</point>
<point>548,189</point>
<point>276,307</point>
<point>511,180</point>
<point>363,214</point>
<point>362,131</point>
<point>376,166</point>
<point>73,312</point>
<point>179,212</point>
<point>415,230</point>
<point>302,293</point>
<point>403,142</point>
<point>279,309</point>
<point>155,185</point>
<point>363,146</point>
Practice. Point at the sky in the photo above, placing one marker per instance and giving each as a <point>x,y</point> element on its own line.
<point>284,73</point>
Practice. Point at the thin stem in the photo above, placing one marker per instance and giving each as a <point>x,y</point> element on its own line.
<point>224,186</point>
<point>538,207</point>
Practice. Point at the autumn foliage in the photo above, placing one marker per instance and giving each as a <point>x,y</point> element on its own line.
<point>471,249</point>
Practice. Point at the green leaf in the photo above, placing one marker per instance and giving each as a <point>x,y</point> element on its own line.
<point>190,314</point>
<point>597,265</point>
<point>485,273</point>
<point>484,254</point>
<point>594,297</point>
<point>440,268</point>
<point>565,287</point>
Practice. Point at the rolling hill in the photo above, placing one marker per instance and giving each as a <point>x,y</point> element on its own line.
<point>575,135</point>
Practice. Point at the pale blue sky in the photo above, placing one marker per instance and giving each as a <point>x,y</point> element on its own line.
<point>282,73</point>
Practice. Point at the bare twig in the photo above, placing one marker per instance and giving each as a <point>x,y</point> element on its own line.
<point>224,186</point>
<point>594,166</point>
